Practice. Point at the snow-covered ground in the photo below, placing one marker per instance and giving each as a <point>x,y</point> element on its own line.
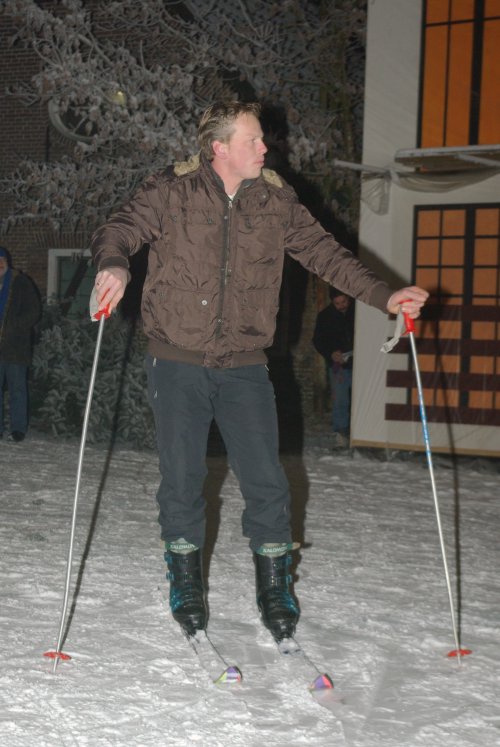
<point>370,579</point>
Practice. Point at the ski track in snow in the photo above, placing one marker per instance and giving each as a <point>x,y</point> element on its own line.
<point>370,580</point>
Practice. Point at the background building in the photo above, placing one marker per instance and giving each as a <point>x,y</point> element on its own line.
<point>430,214</point>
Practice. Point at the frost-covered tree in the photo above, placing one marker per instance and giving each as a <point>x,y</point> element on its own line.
<point>60,375</point>
<point>125,81</point>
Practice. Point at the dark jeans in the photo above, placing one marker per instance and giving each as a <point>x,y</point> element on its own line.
<point>185,399</point>
<point>16,377</point>
<point>341,386</point>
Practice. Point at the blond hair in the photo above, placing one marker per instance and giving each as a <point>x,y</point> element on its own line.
<point>217,122</point>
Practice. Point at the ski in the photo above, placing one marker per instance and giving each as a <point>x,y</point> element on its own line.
<point>302,666</point>
<point>212,660</point>
<point>319,683</point>
<point>209,655</point>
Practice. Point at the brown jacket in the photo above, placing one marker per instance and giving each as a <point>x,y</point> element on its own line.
<point>215,266</point>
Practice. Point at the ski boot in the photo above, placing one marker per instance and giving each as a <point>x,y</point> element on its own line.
<point>187,594</point>
<point>277,604</point>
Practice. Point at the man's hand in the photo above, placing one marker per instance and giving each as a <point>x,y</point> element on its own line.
<point>110,286</point>
<point>408,300</point>
<point>338,356</point>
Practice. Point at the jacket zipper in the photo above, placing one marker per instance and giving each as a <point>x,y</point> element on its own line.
<point>224,266</point>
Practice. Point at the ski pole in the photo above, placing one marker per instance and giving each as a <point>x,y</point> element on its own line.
<point>100,316</point>
<point>410,329</point>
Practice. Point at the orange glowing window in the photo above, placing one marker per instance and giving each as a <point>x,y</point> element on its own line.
<point>427,362</point>
<point>460,85</point>
<point>462,10</point>
<point>428,397</point>
<point>487,222</point>
<point>482,364</point>
<point>452,281</point>
<point>447,398</point>
<point>429,223</point>
<point>427,278</point>
<point>456,257</point>
<point>449,330</point>
<point>454,222</point>
<point>449,363</point>
<point>485,282</point>
<point>428,252</point>
<point>425,328</point>
<point>437,11</point>
<point>482,300</point>
<point>489,111</point>
<point>452,252</point>
<point>481,400</point>
<point>483,331</point>
<point>492,8</point>
<point>486,251</point>
<point>434,87</point>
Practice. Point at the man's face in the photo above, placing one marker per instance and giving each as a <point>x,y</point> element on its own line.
<point>3,266</point>
<point>245,149</point>
<point>341,303</point>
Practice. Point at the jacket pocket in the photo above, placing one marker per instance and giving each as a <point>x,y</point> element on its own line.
<point>186,318</point>
<point>254,320</point>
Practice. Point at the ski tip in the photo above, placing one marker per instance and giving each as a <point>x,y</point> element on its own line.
<point>322,682</point>
<point>459,652</point>
<point>228,676</point>
<point>57,655</point>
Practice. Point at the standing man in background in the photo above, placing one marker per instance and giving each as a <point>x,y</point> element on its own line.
<point>20,310</point>
<point>334,339</point>
<point>218,227</point>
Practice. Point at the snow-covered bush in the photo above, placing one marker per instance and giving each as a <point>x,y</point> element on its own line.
<point>61,371</point>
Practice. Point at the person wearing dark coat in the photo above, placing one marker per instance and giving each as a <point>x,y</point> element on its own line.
<point>334,339</point>
<point>20,310</point>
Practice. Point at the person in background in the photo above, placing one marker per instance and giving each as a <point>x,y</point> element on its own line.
<point>333,338</point>
<point>218,226</point>
<point>20,309</point>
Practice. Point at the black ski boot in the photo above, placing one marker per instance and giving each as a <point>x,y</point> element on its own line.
<point>275,600</point>
<point>187,594</point>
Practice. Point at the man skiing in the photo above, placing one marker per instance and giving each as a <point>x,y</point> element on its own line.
<point>218,226</point>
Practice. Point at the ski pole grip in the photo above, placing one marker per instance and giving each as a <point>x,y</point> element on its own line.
<point>409,323</point>
<point>102,312</point>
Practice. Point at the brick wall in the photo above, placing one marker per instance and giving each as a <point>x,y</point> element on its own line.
<point>23,134</point>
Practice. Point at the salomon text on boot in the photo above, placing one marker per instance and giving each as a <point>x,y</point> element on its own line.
<point>277,604</point>
<point>187,593</point>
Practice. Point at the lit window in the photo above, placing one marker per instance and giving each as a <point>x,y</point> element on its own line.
<point>460,86</point>
<point>457,259</point>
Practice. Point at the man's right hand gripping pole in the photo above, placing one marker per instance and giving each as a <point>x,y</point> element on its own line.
<point>109,288</point>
